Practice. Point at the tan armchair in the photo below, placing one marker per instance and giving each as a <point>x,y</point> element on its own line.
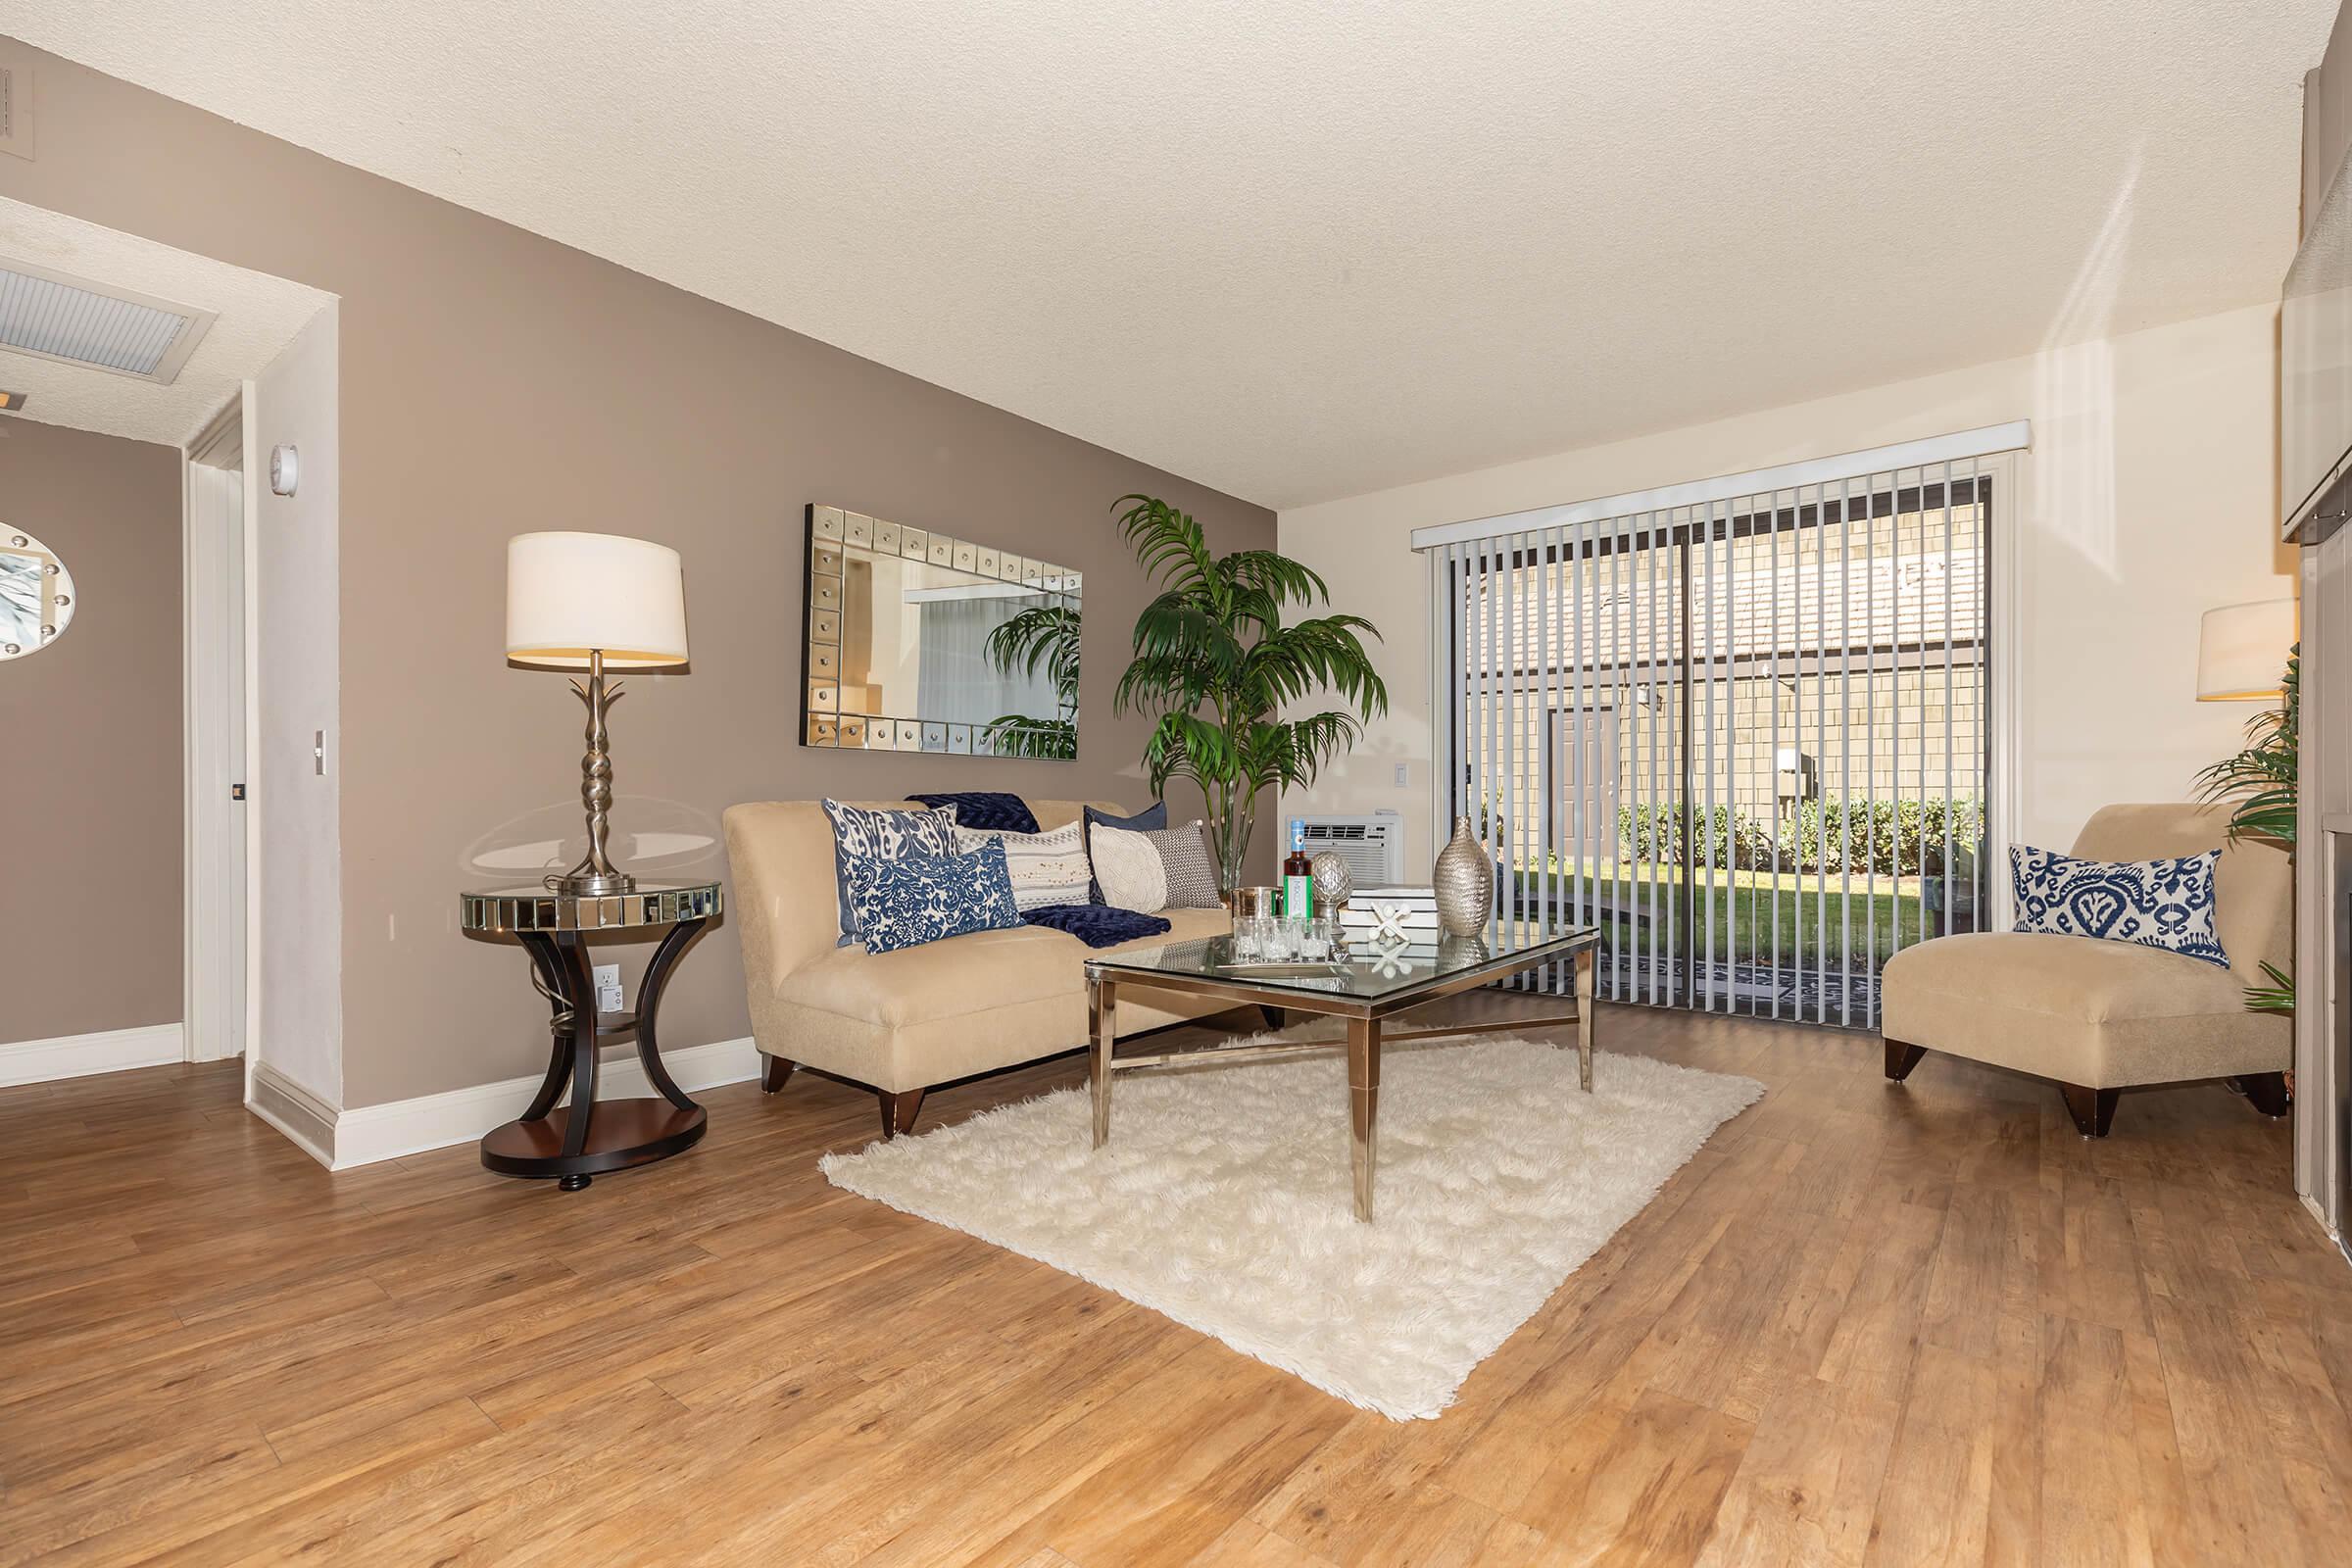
<point>2102,1016</point>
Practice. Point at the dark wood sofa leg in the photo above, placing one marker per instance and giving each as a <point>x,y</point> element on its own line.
<point>2267,1092</point>
<point>899,1110</point>
<point>773,1071</point>
<point>2093,1109</point>
<point>1901,1058</point>
<point>1273,1016</point>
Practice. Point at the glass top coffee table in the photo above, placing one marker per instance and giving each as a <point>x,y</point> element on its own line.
<point>1368,986</point>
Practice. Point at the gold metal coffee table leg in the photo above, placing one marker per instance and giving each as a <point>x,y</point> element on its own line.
<point>1363,1107</point>
<point>1100,1009</point>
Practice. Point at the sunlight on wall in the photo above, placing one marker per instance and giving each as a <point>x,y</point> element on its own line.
<point>2072,474</point>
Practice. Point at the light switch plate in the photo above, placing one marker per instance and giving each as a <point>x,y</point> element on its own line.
<point>1404,777</point>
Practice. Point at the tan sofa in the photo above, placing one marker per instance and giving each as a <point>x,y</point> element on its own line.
<point>902,1023</point>
<point>2101,1016</point>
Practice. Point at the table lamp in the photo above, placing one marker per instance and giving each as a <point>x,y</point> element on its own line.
<point>2242,650</point>
<point>594,601</point>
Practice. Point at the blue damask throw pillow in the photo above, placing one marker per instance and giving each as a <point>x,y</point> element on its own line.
<point>995,810</point>
<point>926,898</point>
<point>862,835</point>
<point>2157,903</point>
<point>1155,815</point>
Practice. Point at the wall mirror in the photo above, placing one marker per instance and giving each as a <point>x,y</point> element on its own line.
<point>36,595</point>
<point>922,642</point>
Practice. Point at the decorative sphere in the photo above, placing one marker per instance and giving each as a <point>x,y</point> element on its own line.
<point>1334,882</point>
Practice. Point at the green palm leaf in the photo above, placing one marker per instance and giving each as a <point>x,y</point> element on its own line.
<point>1215,663</point>
<point>2259,784</point>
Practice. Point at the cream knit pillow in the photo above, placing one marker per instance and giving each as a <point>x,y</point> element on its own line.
<point>1128,867</point>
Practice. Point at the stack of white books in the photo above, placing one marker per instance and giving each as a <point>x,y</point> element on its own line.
<point>1415,910</point>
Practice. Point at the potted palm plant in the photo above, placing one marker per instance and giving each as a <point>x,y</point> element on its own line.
<point>1217,665</point>
<point>2258,784</point>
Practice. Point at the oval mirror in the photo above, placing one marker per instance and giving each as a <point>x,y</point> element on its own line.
<point>36,595</point>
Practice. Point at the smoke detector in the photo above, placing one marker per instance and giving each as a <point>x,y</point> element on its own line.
<point>73,321</point>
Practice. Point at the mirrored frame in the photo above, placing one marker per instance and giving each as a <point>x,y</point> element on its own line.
<point>836,539</point>
<point>36,595</point>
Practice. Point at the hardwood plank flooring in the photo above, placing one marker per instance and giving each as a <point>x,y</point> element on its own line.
<point>1866,1324</point>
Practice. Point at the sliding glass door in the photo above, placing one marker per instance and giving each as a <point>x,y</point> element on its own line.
<point>1749,738</point>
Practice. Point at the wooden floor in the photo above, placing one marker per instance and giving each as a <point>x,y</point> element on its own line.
<point>1905,1325</point>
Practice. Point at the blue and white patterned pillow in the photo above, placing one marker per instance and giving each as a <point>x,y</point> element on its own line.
<point>925,897</point>
<point>862,835</point>
<point>2157,903</point>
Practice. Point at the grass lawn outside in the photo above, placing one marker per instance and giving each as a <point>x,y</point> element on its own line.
<point>1753,916</point>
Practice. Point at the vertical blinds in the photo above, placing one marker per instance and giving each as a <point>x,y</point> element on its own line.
<point>1747,735</point>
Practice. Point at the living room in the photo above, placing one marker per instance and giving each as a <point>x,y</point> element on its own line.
<point>1418,785</point>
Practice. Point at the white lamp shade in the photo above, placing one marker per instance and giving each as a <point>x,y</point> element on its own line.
<point>570,593</point>
<point>2242,648</point>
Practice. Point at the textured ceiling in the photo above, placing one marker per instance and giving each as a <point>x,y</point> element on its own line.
<point>259,315</point>
<point>1299,249</point>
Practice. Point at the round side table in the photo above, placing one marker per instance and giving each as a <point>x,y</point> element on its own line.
<point>573,1143</point>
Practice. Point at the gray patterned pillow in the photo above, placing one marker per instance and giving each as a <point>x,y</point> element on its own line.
<point>1150,869</point>
<point>1191,877</point>
<point>862,834</point>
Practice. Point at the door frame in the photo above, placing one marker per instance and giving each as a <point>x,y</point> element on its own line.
<point>225,443</point>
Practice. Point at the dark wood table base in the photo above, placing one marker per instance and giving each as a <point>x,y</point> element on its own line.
<point>571,1143</point>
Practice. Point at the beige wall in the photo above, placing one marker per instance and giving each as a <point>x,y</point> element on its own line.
<point>2148,499</point>
<point>494,383</point>
<point>90,743</point>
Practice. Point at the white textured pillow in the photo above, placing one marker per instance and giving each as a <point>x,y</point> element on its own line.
<point>1047,869</point>
<point>1128,867</point>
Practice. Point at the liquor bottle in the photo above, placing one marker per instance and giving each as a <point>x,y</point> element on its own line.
<point>1298,878</point>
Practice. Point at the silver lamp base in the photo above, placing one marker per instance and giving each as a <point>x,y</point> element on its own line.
<point>594,876</point>
<point>592,884</point>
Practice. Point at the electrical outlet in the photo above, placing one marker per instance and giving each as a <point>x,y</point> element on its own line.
<point>607,988</point>
<point>1405,775</point>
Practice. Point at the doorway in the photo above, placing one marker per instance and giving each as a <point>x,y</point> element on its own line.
<point>216,560</point>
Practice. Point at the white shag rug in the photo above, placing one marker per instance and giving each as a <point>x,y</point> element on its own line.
<point>1223,1198</point>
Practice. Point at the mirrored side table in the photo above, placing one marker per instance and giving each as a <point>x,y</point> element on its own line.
<point>573,1143</point>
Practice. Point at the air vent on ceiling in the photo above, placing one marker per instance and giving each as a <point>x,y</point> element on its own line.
<point>72,319</point>
<point>16,101</point>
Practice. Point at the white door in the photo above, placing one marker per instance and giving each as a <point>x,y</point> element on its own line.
<point>215,752</point>
<point>1585,787</point>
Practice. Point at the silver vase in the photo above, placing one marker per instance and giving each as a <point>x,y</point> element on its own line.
<point>1464,882</point>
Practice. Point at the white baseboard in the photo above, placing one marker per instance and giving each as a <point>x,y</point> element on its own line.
<point>307,1121</point>
<point>372,1133</point>
<point>37,1061</point>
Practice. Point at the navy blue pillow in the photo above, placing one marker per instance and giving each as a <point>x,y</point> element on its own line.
<point>1152,817</point>
<point>926,898</point>
<point>993,810</point>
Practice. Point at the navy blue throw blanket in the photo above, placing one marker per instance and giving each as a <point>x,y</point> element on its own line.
<point>985,808</point>
<point>1097,925</point>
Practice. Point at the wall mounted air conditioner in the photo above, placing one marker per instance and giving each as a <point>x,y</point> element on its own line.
<point>1372,845</point>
